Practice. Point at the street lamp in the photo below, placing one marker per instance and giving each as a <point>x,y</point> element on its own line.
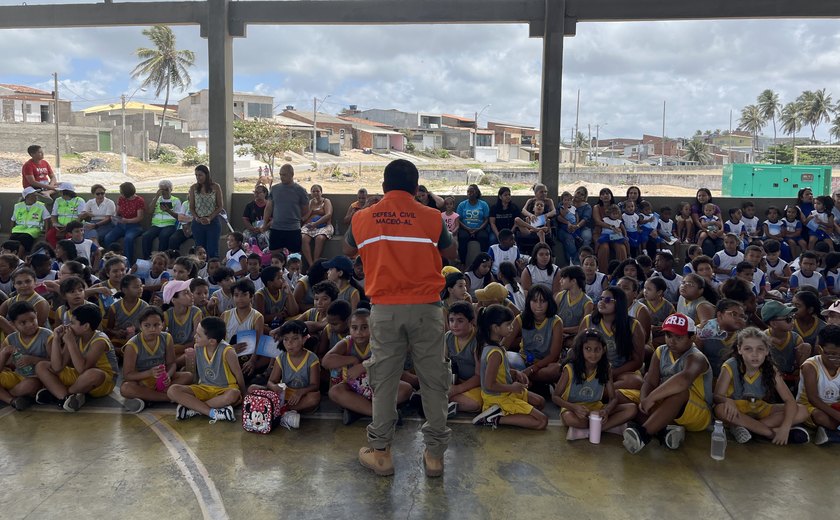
<point>124,100</point>
<point>475,138</point>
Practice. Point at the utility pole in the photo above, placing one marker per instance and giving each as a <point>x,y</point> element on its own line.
<point>589,142</point>
<point>575,133</point>
<point>597,142</point>
<point>124,162</point>
<point>730,137</point>
<point>315,131</point>
<point>144,140</point>
<point>55,118</point>
<point>662,157</point>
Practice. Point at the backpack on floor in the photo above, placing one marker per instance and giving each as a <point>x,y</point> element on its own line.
<point>260,411</point>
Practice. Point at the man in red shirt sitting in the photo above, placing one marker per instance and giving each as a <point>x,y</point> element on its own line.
<point>37,172</point>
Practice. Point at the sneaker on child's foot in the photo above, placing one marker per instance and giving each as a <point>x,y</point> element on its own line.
<point>674,436</point>
<point>44,396</point>
<point>22,403</point>
<point>222,414</point>
<point>821,437</point>
<point>741,434</point>
<point>133,405</point>
<point>452,410</point>
<point>798,435</point>
<point>290,419</point>
<point>575,434</point>
<point>182,412</point>
<point>74,402</point>
<point>633,441</point>
<point>489,417</point>
<point>348,417</point>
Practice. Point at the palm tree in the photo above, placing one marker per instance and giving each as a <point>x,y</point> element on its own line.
<point>791,119</point>
<point>697,151</point>
<point>163,67</point>
<point>769,106</point>
<point>752,122</point>
<point>816,109</point>
<point>835,128</point>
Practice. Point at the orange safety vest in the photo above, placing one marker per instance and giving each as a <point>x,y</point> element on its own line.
<point>397,239</point>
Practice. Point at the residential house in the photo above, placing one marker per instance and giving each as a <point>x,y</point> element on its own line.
<point>22,104</point>
<point>457,121</point>
<point>374,136</point>
<point>735,139</point>
<point>422,129</point>
<point>334,134</point>
<point>671,147</point>
<point>515,134</point>
<point>195,109</point>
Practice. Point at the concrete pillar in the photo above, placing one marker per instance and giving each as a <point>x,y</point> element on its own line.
<point>220,85</point>
<point>552,82</point>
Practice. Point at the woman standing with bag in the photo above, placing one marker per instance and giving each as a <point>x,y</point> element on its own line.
<point>206,204</point>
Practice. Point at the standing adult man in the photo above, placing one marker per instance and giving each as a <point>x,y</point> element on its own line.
<point>287,207</point>
<point>401,243</point>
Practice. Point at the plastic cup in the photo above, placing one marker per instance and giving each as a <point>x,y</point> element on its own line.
<point>594,428</point>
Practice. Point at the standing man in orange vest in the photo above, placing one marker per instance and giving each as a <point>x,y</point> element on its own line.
<point>401,243</point>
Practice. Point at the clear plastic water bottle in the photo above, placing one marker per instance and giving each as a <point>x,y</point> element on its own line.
<point>718,441</point>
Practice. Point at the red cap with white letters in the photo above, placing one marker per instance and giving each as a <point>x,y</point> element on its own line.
<point>679,324</point>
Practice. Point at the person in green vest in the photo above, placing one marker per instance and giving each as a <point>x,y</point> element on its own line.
<point>164,209</point>
<point>30,217</point>
<point>66,209</point>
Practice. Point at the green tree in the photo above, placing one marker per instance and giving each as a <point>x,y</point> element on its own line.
<point>791,119</point>
<point>752,122</point>
<point>816,109</point>
<point>835,128</point>
<point>164,67</point>
<point>697,151</point>
<point>769,107</point>
<point>265,140</point>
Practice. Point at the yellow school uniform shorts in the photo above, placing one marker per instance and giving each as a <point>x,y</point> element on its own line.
<point>9,379</point>
<point>635,396</point>
<point>207,392</point>
<point>594,406</point>
<point>474,394</point>
<point>696,416</point>
<point>511,404</point>
<point>757,410</point>
<point>69,375</point>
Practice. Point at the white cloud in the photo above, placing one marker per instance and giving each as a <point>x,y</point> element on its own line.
<point>623,70</point>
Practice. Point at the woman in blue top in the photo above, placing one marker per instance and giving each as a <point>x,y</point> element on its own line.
<point>474,216</point>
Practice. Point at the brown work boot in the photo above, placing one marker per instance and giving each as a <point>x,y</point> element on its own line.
<point>378,461</point>
<point>433,465</point>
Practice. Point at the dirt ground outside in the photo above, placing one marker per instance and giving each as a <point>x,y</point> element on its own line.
<point>337,177</point>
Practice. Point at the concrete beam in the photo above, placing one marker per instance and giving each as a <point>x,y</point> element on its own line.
<point>536,28</point>
<point>552,93</point>
<point>342,12</point>
<point>647,10</point>
<point>102,15</point>
<point>220,85</point>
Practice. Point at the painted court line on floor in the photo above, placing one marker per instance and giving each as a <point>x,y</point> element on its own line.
<point>197,476</point>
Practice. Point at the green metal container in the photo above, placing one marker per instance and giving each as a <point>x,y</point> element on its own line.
<point>774,180</point>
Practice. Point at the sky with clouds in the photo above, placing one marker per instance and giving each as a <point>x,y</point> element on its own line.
<point>624,70</point>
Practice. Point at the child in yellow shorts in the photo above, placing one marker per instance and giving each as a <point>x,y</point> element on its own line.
<point>677,393</point>
<point>504,391</point>
<point>148,356</point>
<point>221,384</point>
<point>747,381</point>
<point>25,348</point>
<point>82,362</point>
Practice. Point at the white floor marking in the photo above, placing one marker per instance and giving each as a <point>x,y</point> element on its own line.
<point>196,475</point>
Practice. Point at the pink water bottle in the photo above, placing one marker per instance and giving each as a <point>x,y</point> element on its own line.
<point>160,382</point>
<point>595,428</point>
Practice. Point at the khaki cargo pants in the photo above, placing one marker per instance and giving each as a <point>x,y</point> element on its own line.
<point>395,331</point>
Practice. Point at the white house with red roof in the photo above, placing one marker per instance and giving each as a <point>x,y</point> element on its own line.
<point>23,104</point>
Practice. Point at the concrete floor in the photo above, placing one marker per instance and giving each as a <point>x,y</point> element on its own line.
<point>102,463</point>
